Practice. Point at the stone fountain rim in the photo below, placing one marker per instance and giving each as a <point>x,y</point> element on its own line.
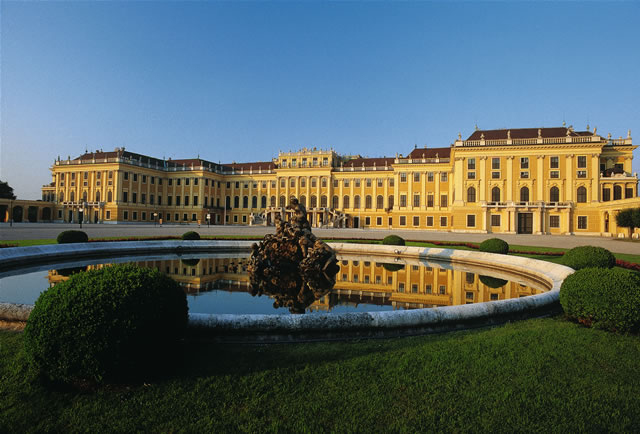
<point>287,327</point>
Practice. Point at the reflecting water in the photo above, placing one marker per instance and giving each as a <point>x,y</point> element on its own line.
<point>217,284</point>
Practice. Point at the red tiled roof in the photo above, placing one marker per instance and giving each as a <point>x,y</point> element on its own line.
<point>430,153</point>
<point>369,162</point>
<point>526,133</point>
<point>260,165</point>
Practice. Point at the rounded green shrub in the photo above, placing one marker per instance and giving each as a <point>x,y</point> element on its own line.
<point>66,237</point>
<point>120,322</point>
<point>190,262</point>
<point>393,267</point>
<point>588,256</point>
<point>191,235</point>
<point>494,245</point>
<point>603,298</point>
<point>393,240</point>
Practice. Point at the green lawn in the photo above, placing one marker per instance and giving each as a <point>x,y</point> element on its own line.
<point>535,375</point>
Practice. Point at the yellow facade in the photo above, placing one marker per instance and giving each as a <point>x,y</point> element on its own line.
<point>540,181</point>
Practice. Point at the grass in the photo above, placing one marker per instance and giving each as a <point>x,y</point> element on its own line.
<point>535,375</point>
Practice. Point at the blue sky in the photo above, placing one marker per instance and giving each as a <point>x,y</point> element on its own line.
<point>240,81</point>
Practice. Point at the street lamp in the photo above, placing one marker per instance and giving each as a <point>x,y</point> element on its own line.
<point>81,211</point>
<point>10,212</point>
<point>155,218</point>
<point>208,219</point>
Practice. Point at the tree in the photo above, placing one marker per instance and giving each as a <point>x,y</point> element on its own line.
<point>6,192</point>
<point>629,218</point>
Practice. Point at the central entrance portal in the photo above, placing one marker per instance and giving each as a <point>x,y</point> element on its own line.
<point>525,223</point>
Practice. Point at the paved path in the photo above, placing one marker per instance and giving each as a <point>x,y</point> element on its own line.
<point>33,231</point>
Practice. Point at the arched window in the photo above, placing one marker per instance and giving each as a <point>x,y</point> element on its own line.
<point>263,202</point>
<point>323,201</point>
<point>227,203</point>
<point>390,201</point>
<point>554,194</point>
<point>345,202</point>
<point>73,196</point>
<point>495,194</point>
<point>314,202</point>
<point>335,202</point>
<point>367,202</point>
<point>236,201</point>
<point>254,202</point>
<point>98,196</point>
<point>283,201</point>
<point>471,194</point>
<point>379,202</point>
<point>273,201</point>
<point>245,201</point>
<point>84,196</point>
<point>581,195</point>
<point>524,194</point>
<point>61,196</point>
<point>356,202</point>
<point>109,196</point>
<point>617,192</point>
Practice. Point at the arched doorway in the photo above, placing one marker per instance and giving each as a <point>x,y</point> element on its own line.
<point>32,214</point>
<point>46,214</point>
<point>17,214</point>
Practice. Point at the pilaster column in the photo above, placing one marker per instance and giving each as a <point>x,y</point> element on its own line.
<point>436,199</point>
<point>458,173</point>
<point>569,193</point>
<point>483,179</point>
<point>540,178</point>
<point>595,178</point>
<point>509,179</point>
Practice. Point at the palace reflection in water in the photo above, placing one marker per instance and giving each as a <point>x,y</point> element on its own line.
<point>357,283</point>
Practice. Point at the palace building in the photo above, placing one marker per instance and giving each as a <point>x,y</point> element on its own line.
<point>527,180</point>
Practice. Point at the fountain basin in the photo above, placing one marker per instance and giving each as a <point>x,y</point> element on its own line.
<point>270,328</point>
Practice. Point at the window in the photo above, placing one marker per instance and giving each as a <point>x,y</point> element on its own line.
<point>254,202</point>
<point>403,200</point>
<point>443,177</point>
<point>606,194</point>
<point>416,220</point>
<point>346,183</point>
<point>495,220</point>
<point>524,194</point>
<point>357,182</point>
<point>495,175</point>
<point>356,202</point>
<point>443,200</point>
<point>471,194</point>
<point>401,287</point>
<point>283,201</point>
<point>414,288</point>
<point>392,182</point>
<point>495,163</point>
<point>323,182</point>
<point>471,221</point>
<point>169,200</point>
<point>108,215</point>
<point>272,201</point>
<point>554,194</point>
<point>325,161</point>
<point>495,194</point>
<point>429,220</point>
<point>144,216</point>
<point>379,221</point>
<point>292,182</point>
<point>144,180</point>
<point>379,202</point>
<point>582,161</point>
<point>135,178</point>
<point>416,176</point>
<point>379,180</point>
<point>323,201</point>
<point>263,202</point>
<point>303,182</point>
<point>443,222</point>
<point>581,174</point>
<point>143,198</point>
<point>368,182</point>
<point>236,202</point>
<point>554,162</point>
<point>86,175</point>
<point>335,202</point>
<point>524,162</point>
<point>403,220</point>
<point>126,215</point>
<point>159,200</point>
<point>429,176</point>
<point>195,200</point>
<point>469,295</point>
<point>582,222</point>
<point>581,195</point>
<point>294,163</point>
<point>367,221</point>
<point>443,289</point>
<point>186,201</point>
<point>416,199</point>
<point>628,192</point>
<point>471,164</point>
<point>282,182</point>
<point>430,200</point>
<point>470,278</point>
<point>367,202</point>
<point>391,203</point>
<point>471,175</point>
<point>345,201</point>
<point>428,289</point>
<point>403,177</point>
<point>554,221</point>
<point>524,175</point>
<point>135,215</point>
<point>109,196</point>
<point>134,197</point>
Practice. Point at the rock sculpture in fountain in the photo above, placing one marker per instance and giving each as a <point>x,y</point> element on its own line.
<point>292,265</point>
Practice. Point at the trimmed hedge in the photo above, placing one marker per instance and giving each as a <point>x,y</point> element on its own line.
<point>66,237</point>
<point>191,235</point>
<point>492,282</point>
<point>588,256</point>
<point>393,240</point>
<point>494,245</point>
<point>120,322</point>
<point>603,298</point>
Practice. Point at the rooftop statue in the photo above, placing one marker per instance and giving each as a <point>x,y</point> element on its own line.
<point>292,265</point>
